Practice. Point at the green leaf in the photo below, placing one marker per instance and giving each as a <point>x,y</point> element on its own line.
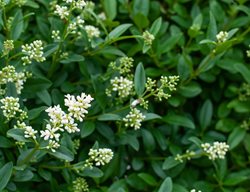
<point>169,163</point>
<point>191,90</point>
<point>5,143</point>
<point>206,113</point>
<point>151,116</point>
<point>154,29</point>
<point>91,172</point>
<point>118,31</point>
<point>140,79</point>
<point>17,25</point>
<point>141,20</point>
<point>87,128</point>
<point>44,96</point>
<point>149,179</point>
<point>37,84</point>
<point>17,134</point>
<point>141,6</point>
<point>166,186</point>
<point>5,174</point>
<point>179,120</point>
<point>63,153</point>
<point>11,89</point>
<point>130,139</point>
<point>167,45</point>
<point>72,58</point>
<point>49,49</point>
<point>243,70</point>
<point>110,8</point>
<point>234,179</point>
<point>148,140</point>
<point>109,117</point>
<point>23,175</point>
<point>34,113</point>
<point>236,137</point>
<point>212,27</point>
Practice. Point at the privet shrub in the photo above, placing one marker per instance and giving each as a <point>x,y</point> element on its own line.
<point>119,95</point>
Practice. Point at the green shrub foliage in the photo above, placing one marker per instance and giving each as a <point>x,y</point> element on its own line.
<point>124,95</point>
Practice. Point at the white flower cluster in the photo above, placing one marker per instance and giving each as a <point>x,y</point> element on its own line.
<point>148,38</point>
<point>77,105</point>
<point>33,51</point>
<point>80,185</point>
<point>194,190</point>
<point>62,11</point>
<point>100,156</point>
<point>216,151</point>
<point>11,108</point>
<point>29,132</point>
<point>92,31</point>
<point>60,121</point>
<point>9,74</point>
<point>134,119</point>
<point>122,85</point>
<point>222,36</point>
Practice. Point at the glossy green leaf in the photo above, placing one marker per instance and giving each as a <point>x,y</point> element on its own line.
<point>236,137</point>
<point>149,179</point>
<point>5,174</point>
<point>87,128</point>
<point>109,117</point>
<point>166,186</point>
<point>206,113</point>
<point>110,7</point>
<point>140,79</point>
<point>118,31</point>
<point>179,120</point>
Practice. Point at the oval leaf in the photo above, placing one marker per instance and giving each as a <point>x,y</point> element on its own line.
<point>5,174</point>
<point>140,79</point>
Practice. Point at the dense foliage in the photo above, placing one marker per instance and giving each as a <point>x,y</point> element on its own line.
<point>119,95</point>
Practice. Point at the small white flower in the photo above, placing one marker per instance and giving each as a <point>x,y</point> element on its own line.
<point>55,35</point>
<point>50,133</point>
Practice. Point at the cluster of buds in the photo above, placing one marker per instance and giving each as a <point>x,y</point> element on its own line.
<point>148,38</point>
<point>80,185</point>
<point>75,25</point>
<point>60,121</point>
<point>79,4</point>
<point>55,35</point>
<point>123,86</point>
<point>99,157</point>
<point>92,31</point>
<point>217,150</point>
<point>188,155</point>
<point>9,74</point>
<point>134,119</point>
<point>245,124</point>
<point>33,51</point>
<point>8,45</point>
<point>11,109</point>
<point>244,92</point>
<point>222,36</point>
<point>123,65</point>
<point>194,190</point>
<point>168,84</point>
<point>20,3</point>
